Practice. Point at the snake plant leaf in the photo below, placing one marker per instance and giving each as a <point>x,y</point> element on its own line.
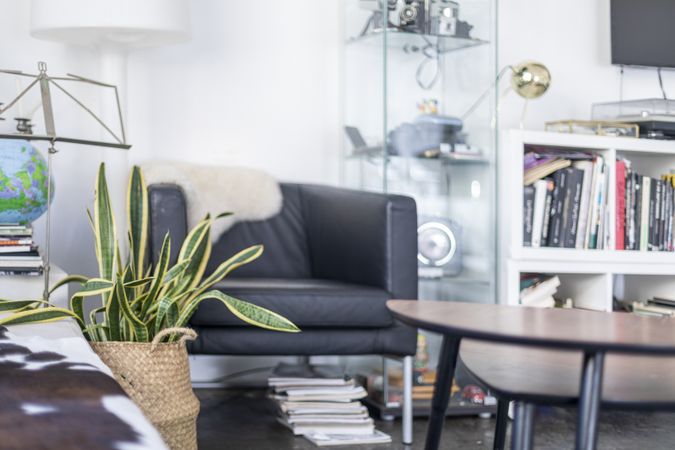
<point>176,271</point>
<point>223,214</point>
<point>104,224</point>
<point>137,217</point>
<point>248,312</point>
<point>197,248</point>
<point>16,305</point>
<point>41,315</point>
<point>69,279</point>
<point>140,330</point>
<point>160,271</point>
<point>165,304</point>
<point>94,331</point>
<point>243,257</point>
<point>112,315</point>
<point>94,286</point>
<point>139,282</point>
<point>94,312</point>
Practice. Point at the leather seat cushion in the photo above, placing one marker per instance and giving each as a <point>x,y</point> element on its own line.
<point>306,302</point>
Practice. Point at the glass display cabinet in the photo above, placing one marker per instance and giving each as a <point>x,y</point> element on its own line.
<point>414,125</point>
<point>419,115</point>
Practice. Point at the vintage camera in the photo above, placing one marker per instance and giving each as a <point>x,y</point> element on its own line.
<point>412,16</point>
<point>443,17</point>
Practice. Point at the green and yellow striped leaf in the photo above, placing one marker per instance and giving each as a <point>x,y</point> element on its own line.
<point>243,257</point>
<point>140,330</point>
<point>248,312</point>
<point>104,225</point>
<point>41,315</point>
<point>69,279</point>
<point>137,217</point>
<point>158,277</point>
<point>16,305</point>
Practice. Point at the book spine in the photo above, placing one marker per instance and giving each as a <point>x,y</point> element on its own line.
<point>528,211</point>
<point>540,188</point>
<point>550,187</point>
<point>592,215</point>
<point>653,215</point>
<point>573,199</point>
<point>559,179</point>
<point>644,213</point>
<point>596,224</point>
<point>582,225</point>
<point>638,211</point>
<point>630,211</point>
<point>620,221</point>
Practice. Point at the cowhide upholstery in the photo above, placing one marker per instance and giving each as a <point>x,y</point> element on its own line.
<point>56,394</point>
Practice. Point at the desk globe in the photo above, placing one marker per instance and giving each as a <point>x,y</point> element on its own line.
<point>23,182</point>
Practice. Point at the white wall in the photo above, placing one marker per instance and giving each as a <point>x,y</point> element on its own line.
<point>256,86</point>
<point>572,39</point>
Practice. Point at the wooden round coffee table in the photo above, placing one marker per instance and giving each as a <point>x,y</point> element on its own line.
<point>590,332</point>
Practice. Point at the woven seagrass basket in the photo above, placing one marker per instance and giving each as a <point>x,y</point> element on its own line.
<point>157,378</point>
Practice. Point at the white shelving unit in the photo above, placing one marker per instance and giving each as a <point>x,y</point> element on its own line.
<point>591,278</point>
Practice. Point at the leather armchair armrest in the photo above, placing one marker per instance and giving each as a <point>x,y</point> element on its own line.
<point>362,238</point>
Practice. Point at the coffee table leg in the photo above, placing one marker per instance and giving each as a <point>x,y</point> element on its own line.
<point>522,432</point>
<point>444,375</point>
<point>500,426</point>
<point>589,400</point>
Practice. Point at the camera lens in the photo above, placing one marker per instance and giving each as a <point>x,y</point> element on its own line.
<point>408,13</point>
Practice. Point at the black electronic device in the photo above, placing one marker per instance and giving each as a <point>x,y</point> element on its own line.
<point>643,32</point>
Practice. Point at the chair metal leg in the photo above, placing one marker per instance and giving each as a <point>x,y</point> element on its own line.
<point>500,426</point>
<point>444,376</point>
<point>407,400</point>
<point>589,400</point>
<point>522,433</point>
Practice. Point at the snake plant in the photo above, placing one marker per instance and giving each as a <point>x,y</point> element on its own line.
<point>137,301</point>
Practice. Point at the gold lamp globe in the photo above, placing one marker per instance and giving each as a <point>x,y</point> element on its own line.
<point>530,79</point>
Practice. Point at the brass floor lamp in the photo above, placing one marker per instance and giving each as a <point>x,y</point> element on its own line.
<point>44,83</point>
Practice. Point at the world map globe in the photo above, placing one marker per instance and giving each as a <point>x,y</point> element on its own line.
<point>23,182</point>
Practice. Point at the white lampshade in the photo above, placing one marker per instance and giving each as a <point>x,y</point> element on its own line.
<point>130,23</point>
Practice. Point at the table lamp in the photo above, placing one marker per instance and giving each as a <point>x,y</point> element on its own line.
<point>529,79</point>
<point>45,83</point>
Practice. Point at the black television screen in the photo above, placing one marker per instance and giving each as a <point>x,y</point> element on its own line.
<point>643,32</point>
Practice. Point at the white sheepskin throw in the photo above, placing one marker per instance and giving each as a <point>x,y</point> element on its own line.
<point>248,193</point>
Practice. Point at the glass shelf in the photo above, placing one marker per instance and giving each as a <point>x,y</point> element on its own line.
<point>415,42</point>
<point>441,160</point>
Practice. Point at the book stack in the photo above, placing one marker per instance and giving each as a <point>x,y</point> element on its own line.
<point>655,307</point>
<point>644,210</point>
<point>321,403</point>
<point>538,290</point>
<point>18,253</point>
<point>565,200</point>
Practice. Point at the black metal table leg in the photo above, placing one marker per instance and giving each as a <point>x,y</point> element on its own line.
<point>522,433</point>
<point>444,375</point>
<point>500,426</point>
<point>589,400</point>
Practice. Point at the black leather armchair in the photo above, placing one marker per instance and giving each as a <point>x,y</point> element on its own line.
<point>332,259</point>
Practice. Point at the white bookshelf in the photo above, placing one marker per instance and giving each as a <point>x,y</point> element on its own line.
<point>591,278</point>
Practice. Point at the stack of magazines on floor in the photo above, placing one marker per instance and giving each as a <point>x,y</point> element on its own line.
<point>656,307</point>
<point>538,290</point>
<point>18,253</point>
<point>565,199</point>
<point>321,404</point>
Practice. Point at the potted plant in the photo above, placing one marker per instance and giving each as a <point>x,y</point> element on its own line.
<point>143,305</point>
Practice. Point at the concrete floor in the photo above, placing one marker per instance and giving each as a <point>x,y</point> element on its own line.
<point>245,419</point>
